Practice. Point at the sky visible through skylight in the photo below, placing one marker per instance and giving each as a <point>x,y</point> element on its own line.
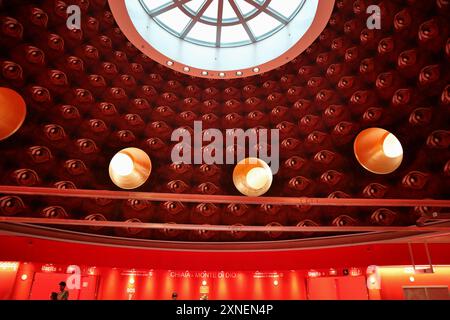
<point>222,23</point>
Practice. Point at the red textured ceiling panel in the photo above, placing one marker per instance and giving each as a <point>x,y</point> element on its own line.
<point>91,93</point>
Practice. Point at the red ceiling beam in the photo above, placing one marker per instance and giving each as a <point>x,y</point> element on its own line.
<point>223,199</point>
<point>137,225</point>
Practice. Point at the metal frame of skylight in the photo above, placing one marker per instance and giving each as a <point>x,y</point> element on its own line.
<point>220,22</point>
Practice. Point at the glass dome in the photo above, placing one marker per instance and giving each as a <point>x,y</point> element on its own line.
<point>222,38</point>
<point>222,23</point>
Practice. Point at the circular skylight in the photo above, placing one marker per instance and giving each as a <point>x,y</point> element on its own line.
<point>222,38</point>
<point>222,23</point>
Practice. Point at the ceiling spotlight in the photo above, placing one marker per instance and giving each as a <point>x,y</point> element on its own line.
<point>239,73</point>
<point>122,164</point>
<point>13,111</point>
<point>252,177</point>
<point>204,73</point>
<point>170,63</point>
<point>378,151</point>
<point>221,74</point>
<point>275,283</point>
<point>186,69</point>
<point>256,70</point>
<point>130,168</point>
<point>24,277</point>
<point>392,147</point>
<point>256,178</point>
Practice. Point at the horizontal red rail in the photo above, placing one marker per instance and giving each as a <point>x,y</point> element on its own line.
<point>141,225</point>
<point>198,198</point>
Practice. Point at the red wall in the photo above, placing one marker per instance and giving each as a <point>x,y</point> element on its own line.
<point>8,273</point>
<point>133,284</point>
<point>22,288</point>
<point>125,284</point>
<point>393,279</point>
<point>114,284</point>
<point>232,286</point>
<point>338,288</point>
<point>46,283</point>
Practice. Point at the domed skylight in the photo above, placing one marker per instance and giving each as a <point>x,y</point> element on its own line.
<point>223,23</point>
<point>222,38</point>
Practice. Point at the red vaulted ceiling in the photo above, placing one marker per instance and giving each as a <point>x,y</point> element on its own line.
<point>90,93</point>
